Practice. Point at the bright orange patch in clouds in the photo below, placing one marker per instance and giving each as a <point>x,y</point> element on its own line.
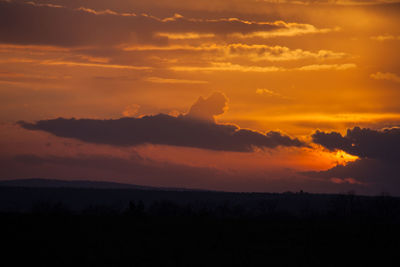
<point>342,158</point>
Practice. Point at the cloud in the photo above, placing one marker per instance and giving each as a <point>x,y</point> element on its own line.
<point>334,2</point>
<point>207,108</point>
<point>32,24</point>
<point>196,129</point>
<point>173,81</point>
<point>377,175</point>
<point>386,76</point>
<point>288,30</point>
<point>364,143</point>
<point>209,5</point>
<point>69,25</point>
<point>378,152</point>
<point>263,91</point>
<point>253,52</point>
<point>327,67</point>
<point>227,66</point>
<point>185,35</point>
<point>105,12</point>
<point>386,37</point>
<point>345,180</point>
<point>277,53</point>
<point>131,110</point>
<point>73,64</point>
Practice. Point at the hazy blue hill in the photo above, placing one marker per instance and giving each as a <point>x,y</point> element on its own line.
<point>54,183</point>
<point>44,183</point>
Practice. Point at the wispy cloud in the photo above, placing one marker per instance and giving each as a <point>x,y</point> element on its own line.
<point>386,37</point>
<point>131,110</point>
<point>345,66</point>
<point>277,53</point>
<point>253,52</point>
<point>83,64</point>
<point>173,81</point>
<point>386,76</point>
<point>286,30</point>
<point>185,35</point>
<point>227,66</point>
<point>332,2</point>
<point>263,91</point>
<point>73,64</point>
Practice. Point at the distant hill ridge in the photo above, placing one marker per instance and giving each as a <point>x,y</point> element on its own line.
<point>53,183</point>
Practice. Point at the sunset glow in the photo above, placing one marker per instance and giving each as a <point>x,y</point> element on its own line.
<point>242,95</point>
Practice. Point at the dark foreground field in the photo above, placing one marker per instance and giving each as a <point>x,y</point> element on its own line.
<point>129,227</point>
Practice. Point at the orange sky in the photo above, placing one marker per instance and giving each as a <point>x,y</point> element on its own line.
<point>286,66</point>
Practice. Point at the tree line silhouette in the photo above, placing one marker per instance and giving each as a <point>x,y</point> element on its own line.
<point>161,229</point>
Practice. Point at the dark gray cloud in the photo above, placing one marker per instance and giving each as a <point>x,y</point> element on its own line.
<point>206,109</point>
<point>364,143</point>
<point>376,175</point>
<point>163,130</point>
<point>196,129</point>
<point>24,23</point>
<point>220,5</point>
<point>379,153</point>
<point>369,171</point>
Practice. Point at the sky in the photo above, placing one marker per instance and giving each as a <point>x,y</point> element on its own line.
<point>232,95</point>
